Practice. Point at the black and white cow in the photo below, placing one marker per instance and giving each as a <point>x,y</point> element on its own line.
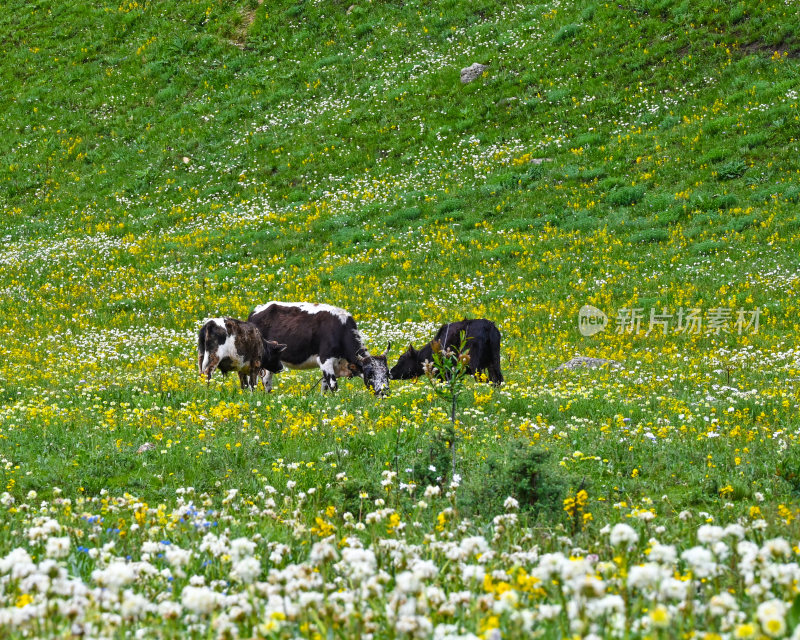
<point>482,343</point>
<point>319,335</point>
<point>233,345</point>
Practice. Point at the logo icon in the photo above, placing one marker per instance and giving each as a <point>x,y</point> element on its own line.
<point>591,320</point>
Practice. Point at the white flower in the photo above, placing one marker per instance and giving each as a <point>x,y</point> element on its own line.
<point>721,603</point>
<point>674,589</point>
<point>623,534</point>
<point>246,570</point>
<point>424,569</point>
<point>735,530</point>
<point>357,564</point>
<point>169,610</point>
<point>771,615</point>
<point>320,552</point>
<point>549,611</point>
<point>199,599</point>
<point>117,575</point>
<point>774,549</point>
<point>57,547</point>
<point>700,561</point>
<point>134,605</point>
<point>473,545</point>
<point>472,572</point>
<point>407,582</point>
<point>662,553</point>
<point>646,576</point>
<point>242,548</point>
<point>177,557</point>
<point>709,533</point>
<point>432,491</point>
<point>511,504</point>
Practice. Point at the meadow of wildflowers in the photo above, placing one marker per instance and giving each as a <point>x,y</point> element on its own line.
<point>164,163</point>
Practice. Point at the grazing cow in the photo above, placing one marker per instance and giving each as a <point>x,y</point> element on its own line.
<point>319,335</point>
<point>233,345</point>
<point>483,345</point>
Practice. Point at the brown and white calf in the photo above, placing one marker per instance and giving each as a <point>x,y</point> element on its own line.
<point>233,345</point>
<point>320,335</point>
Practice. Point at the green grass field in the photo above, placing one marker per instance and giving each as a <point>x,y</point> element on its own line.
<point>164,163</point>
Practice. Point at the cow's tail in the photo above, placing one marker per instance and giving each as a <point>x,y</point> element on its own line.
<point>201,350</point>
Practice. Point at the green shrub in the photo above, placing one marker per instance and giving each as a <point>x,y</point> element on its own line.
<point>731,170</point>
<point>557,95</point>
<point>432,465</point>
<point>669,122</point>
<point>590,139</point>
<point>727,201</point>
<point>567,32</point>
<point>753,140</point>
<point>448,206</point>
<point>625,196</point>
<point>650,235</point>
<point>527,474</point>
<point>610,183</point>
<point>714,156</point>
<point>739,223</point>
<point>707,247</point>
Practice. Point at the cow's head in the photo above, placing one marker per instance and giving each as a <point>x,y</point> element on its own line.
<point>375,372</point>
<point>408,365</point>
<point>272,356</point>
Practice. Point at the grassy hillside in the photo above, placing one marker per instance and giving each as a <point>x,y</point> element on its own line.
<point>167,162</point>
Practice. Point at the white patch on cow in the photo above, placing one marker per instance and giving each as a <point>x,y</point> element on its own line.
<point>266,380</point>
<point>228,350</point>
<point>220,322</point>
<point>308,307</point>
<point>329,367</point>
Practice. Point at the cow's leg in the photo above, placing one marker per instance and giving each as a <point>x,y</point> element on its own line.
<point>476,360</point>
<point>266,380</point>
<point>253,378</point>
<point>328,367</point>
<point>201,354</point>
<point>213,361</point>
<point>244,380</point>
<point>495,375</point>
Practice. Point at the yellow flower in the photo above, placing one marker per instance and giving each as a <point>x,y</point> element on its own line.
<point>660,616</point>
<point>747,630</point>
<point>774,627</point>
<point>24,600</point>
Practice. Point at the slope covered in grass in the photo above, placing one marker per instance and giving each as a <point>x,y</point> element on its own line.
<point>168,162</point>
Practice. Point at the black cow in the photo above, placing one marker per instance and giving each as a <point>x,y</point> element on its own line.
<point>232,345</point>
<point>482,344</point>
<point>319,335</point>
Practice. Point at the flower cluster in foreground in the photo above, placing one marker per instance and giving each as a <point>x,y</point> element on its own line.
<point>251,567</point>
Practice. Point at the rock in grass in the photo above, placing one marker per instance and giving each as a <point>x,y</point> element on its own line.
<point>472,72</point>
<point>582,361</point>
<point>147,446</point>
